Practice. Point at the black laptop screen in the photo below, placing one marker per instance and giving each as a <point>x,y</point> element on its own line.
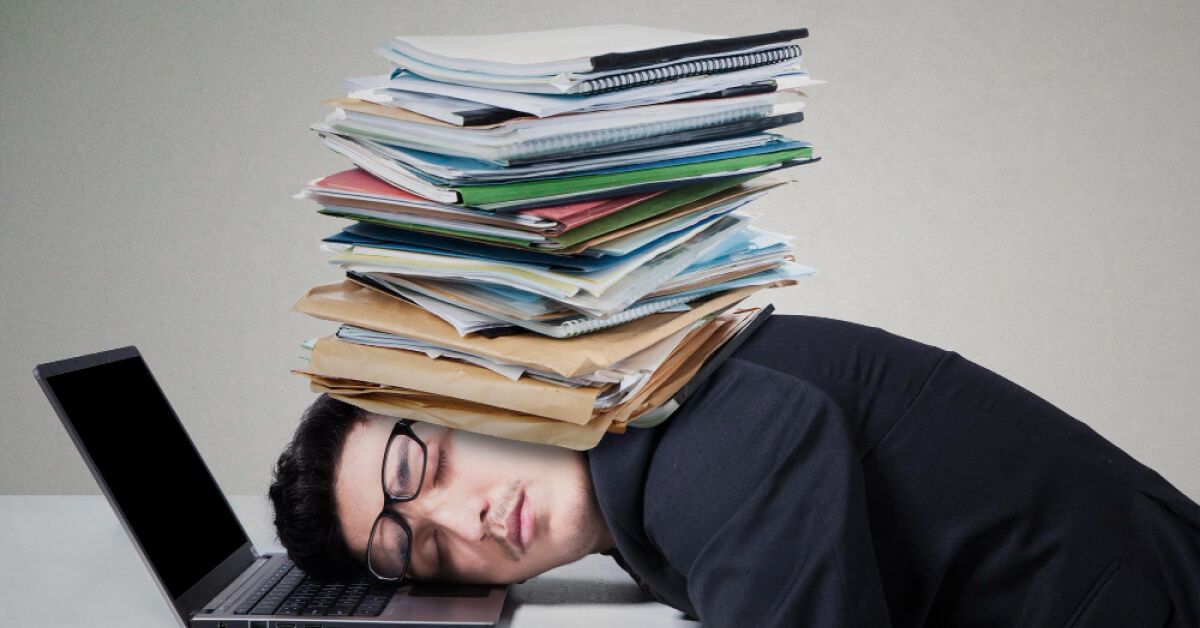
<point>153,472</point>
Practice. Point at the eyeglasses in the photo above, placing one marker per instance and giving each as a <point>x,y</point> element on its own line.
<point>390,545</point>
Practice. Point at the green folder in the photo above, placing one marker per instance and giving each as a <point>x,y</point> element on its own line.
<point>475,195</point>
<point>645,210</point>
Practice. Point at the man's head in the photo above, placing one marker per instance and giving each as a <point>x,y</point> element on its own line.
<point>327,492</point>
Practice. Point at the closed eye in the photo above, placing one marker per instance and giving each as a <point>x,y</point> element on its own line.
<point>441,554</point>
<point>439,477</point>
<point>443,463</point>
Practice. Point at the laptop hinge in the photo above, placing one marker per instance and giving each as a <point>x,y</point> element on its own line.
<point>230,592</point>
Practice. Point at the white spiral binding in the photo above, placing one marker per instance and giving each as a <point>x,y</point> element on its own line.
<point>585,325</point>
<point>674,71</point>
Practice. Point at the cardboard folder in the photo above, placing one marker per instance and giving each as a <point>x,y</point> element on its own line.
<point>466,416</point>
<point>333,357</point>
<point>349,302</point>
<point>486,418</point>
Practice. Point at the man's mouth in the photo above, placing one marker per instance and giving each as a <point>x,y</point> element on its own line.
<point>504,523</point>
<point>514,522</point>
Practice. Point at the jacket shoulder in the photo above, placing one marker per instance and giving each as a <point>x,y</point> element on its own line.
<point>873,375</point>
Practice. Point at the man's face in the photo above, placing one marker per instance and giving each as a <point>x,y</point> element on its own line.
<point>472,485</point>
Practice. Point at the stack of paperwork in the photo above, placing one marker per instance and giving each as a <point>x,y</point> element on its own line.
<point>546,241</point>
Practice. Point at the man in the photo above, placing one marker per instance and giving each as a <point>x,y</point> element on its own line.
<point>828,474</point>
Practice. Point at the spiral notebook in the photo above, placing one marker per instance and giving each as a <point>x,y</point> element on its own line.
<point>390,89</point>
<point>684,69</point>
<point>778,56</point>
<point>586,60</point>
<point>553,140</point>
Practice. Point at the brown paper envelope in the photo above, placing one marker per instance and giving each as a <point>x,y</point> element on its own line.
<point>353,386</point>
<point>479,419</point>
<point>694,342</point>
<point>349,302</point>
<point>680,367</point>
<point>691,343</point>
<point>415,397</point>
<point>484,419</point>
<point>676,380</point>
<point>332,357</point>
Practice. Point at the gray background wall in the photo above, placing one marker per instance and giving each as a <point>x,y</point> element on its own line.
<point>1016,181</point>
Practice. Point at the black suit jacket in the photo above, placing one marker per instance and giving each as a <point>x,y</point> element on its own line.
<point>833,474</point>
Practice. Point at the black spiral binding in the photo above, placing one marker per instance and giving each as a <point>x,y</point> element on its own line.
<point>712,65</point>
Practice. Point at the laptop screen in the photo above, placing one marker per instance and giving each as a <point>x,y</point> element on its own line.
<point>153,472</point>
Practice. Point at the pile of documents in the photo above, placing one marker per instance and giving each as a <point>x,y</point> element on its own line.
<point>546,243</point>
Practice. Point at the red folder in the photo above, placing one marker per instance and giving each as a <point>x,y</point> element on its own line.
<point>569,216</point>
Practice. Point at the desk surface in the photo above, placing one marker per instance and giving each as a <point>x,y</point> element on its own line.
<point>64,558</point>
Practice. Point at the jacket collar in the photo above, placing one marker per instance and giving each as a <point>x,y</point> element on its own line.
<point>618,467</point>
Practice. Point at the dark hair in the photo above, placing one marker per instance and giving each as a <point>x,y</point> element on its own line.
<point>302,491</point>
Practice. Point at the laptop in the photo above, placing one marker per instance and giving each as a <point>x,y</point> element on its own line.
<point>187,534</point>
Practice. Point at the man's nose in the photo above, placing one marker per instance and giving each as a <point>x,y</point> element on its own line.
<point>457,514</point>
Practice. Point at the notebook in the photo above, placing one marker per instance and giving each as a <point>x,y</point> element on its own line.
<point>482,193</point>
<point>583,240</point>
<point>560,136</point>
<point>578,50</point>
<point>585,60</point>
<point>401,83</point>
<point>465,113</point>
<point>448,169</point>
<point>597,295</point>
<point>775,57</point>
<point>528,193</point>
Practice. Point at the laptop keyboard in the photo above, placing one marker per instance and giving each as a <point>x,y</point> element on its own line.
<point>290,591</point>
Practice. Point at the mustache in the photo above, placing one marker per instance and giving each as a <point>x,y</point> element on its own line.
<point>498,518</point>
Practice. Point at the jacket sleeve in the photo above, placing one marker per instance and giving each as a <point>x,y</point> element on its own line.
<point>758,501</point>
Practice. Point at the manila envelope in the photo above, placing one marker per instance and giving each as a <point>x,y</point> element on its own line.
<point>349,302</point>
<point>467,416</point>
<point>333,357</point>
<point>682,367</point>
<point>679,368</point>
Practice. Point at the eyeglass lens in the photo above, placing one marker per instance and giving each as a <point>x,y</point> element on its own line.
<point>390,547</point>
<point>403,467</point>
<point>403,473</point>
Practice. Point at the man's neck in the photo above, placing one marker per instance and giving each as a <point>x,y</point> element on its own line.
<point>605,541</point>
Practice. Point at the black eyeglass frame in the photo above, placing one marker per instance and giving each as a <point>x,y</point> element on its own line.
<point>402,427</point>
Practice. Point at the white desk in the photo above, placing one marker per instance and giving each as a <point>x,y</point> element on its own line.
<point>65,561</point>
